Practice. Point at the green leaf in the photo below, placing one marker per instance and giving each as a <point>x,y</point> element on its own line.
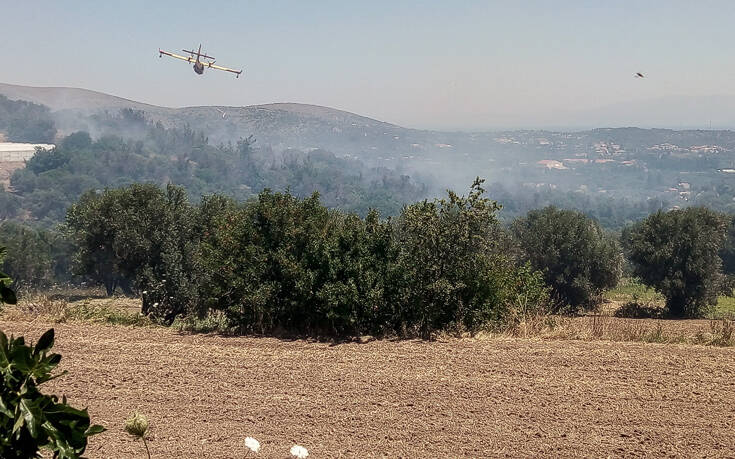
<point>4,409</point>
<point>94,430</point>
<point>44,342</point>
<point>7,295</point>
<point>4,360</point>
<point>31,415</point>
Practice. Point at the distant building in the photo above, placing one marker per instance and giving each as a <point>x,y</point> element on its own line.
<point>551,164</point>
<point>17,152</point>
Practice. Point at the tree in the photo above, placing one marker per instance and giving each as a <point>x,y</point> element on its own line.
<point>9,204</point>
<point>451,267</point>
<point>141,236</point>
<point>29,262</point>
<point>577,258</point>
<point>676,253</point>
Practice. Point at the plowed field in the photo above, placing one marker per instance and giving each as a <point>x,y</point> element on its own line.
<point>489,398</point>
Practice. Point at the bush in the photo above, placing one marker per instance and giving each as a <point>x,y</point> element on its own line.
<point>577,258</point>
<point>451,270</point>
<point>289,263</point>
<point>7,295</point>
<point>281,262</point>
<point>30,420</point>
<point>143,239</point>
<point>637,310</point>
<point>676,253</point>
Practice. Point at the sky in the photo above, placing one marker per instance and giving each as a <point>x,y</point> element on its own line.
<point>423,64</point>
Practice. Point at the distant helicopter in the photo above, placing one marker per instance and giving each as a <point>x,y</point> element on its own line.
<point>199,64</point>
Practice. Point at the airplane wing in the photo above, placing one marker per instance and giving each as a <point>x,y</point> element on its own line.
<point>212,66</point>
<point>183,58</point>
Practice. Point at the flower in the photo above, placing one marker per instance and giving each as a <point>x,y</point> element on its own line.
<point>252,444</point>
<point>299,451</point>
<point>136,425</point>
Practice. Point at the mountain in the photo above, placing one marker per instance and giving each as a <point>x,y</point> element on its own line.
<point>82,100</point>
<point>629,162</point>
<point>281,126</point>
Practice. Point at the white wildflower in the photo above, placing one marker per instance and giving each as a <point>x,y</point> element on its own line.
<point>299,451</point>
<point>252,444</point>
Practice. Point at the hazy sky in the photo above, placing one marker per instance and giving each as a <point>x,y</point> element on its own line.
<point>426,64</point>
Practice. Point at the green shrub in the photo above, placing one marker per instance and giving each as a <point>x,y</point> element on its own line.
<point>143,238</point>
<point>30,420</point>
<point>676,253</point>
<point>281,262</point>
<point>577,258</point>
<point>451,269</point>
<point>284,262</point>
<point>7,295</point>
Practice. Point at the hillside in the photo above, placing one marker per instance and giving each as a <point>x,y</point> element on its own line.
<point>282,125</point>
<point>600,171</point>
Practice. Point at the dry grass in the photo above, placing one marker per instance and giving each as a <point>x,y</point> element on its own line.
<point>92,307</point>
<point>608,328</point>
<point>116,310</point>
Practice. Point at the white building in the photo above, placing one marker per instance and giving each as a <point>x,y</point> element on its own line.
<point>16,152</point>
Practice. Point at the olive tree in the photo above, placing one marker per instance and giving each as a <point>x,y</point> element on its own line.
<point>676,253</point>
<point>578,259</point>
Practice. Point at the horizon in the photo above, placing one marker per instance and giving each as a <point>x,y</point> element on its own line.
<point>466,67</point>
<point>549,128</point>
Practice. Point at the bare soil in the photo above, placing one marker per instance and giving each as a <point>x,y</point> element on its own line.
<point>473,398</point>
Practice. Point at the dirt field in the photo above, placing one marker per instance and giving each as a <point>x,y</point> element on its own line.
<point>490,398</point>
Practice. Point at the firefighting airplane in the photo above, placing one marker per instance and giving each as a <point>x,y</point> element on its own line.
<point>199,64</point>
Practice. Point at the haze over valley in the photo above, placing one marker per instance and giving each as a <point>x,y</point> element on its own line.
<point>632,169</point>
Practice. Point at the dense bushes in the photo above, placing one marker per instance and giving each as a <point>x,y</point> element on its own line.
<point>140,238</point>
<point>577,258</point>
<point>676,253</point>
<point>37,257</point>
<point>451,268</point>
<point>282,262</point>
<point>279,262</point>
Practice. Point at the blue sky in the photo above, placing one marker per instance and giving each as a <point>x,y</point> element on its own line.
<point>426,64</point>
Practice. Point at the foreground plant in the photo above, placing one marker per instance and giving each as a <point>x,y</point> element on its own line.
<point>30,420</point>
<point>137,426</point>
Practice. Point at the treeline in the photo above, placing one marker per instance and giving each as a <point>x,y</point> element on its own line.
<point>280,262</point>
<point>151,153</point>
<point>24,121</point>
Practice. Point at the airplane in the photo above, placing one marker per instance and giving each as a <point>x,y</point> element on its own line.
<point>639,75</point>
<point>199,65</point>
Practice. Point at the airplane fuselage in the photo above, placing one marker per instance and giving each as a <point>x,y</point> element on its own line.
<point>198,67</point>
